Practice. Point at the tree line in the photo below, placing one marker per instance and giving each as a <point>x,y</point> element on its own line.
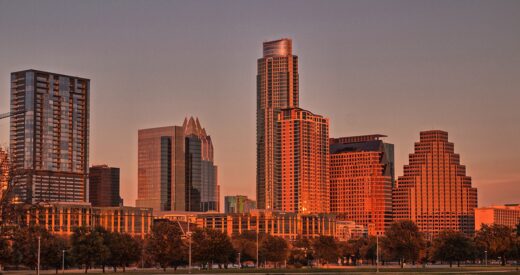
<point>167,246</point>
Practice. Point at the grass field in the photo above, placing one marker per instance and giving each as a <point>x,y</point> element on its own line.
<point>351,270</point>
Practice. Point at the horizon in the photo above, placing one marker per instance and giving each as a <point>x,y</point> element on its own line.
<point>382,76</point>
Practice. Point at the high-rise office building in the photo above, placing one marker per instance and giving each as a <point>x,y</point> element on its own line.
<point>104,186</point>
<point>201,173</point>
<point>50,136</point>
<point>160,169</point>
<point>176,170</point>
<point>277,89</point>
<point>361,179</point>
<point>238,204</point>
<point>302,161</point>
<point>434,191</point>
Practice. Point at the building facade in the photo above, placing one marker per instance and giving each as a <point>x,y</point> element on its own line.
<point>64,218</point>
<point>49,136</point>
<point>508,215</point>
<point>349,230</point>
<point>361,181</point>
<point>435,191</point>
<point>4,170</point>
<point>277,89</point>
<point>302,161</point>
<point>276,223</point>
<point>238,204</point>
<point>176,171</point>
<point>104,186</point>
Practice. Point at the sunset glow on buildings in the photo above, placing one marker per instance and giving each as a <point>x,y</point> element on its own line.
<point>435,191</point>
<point>361,179</point>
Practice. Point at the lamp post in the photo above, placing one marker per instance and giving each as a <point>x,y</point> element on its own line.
<point>485,257</point>
<point>63,262</point>
<point>377,252</point>
<point>257,259</point>
<point>239,263</point>
<point>39,246</point>
<point>189,253</point>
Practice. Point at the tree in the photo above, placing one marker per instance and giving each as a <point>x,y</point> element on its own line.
<point>52,251</point>
<point>452,246</point>
<point>403,242</point>
<point>5,251</point>
<point>245,244</point>
<point>273,249</point>
<point>497,240</point>
<point>368,249</point>
<point>88,247</point>
<point>124,250</point>
<point>325,249</point>
<point>212,246</point>
<point>301,252</point>
<point>165,246</point>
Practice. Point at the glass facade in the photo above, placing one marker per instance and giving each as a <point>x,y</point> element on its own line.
<point>104,186</point>
<point>49,141</point>
<point>277,88</point>
<point>176,170</point>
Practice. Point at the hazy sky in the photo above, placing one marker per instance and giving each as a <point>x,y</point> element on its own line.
<point>389,67</point>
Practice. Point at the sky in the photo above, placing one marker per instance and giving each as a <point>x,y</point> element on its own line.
<point>387,67</point>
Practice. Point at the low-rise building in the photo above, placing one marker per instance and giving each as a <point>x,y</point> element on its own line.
<point>508,215</point>
<point>276,223</point>
<point>63,218</point>
<point>347,230</point>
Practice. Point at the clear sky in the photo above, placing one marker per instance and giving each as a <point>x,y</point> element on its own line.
<point>389,67</point>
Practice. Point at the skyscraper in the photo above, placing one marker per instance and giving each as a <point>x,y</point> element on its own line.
<point>277,89</point>
<point>104,186</point>
<point>50,140</point>
<point>434,191</point>
<point>176,169</point>
<point>201,173</point>
<point>161,169</point>
<point>361,180</point>
<point>302,161</point>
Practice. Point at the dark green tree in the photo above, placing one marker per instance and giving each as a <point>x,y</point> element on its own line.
<point>88,247</point>
<point>212,247</point>
<point>301,252</point>
<point>124,250</point>
<point>403,242</point>
<point>273,249</point>
<point>451,246</point>
<point>5,251</point>
<point>325,249</point>
<point>368,249</point>
<point>165,246</point>
<point>497,240</point>
<point>245,244</point>
<point>52,252</point>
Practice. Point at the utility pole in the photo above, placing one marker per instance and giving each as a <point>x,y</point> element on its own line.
<point>63,263</point>
<point>239,265</point>
<point>257,259</point>
<point>189,242</point>
<point>377,252</point>
<point>39,246</point>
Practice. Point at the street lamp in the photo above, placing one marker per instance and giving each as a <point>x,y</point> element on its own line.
<point>377,252</point>
<point>485,257</point>
<point>257,259</point>
<point>39,246</point>
<point>239,265</point>
<point>63,262</point>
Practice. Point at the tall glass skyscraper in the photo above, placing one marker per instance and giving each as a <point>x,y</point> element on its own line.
<point>277,89</point>
<point>176,170</point>
<point>50,140</point>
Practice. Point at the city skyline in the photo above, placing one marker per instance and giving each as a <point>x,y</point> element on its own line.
<point>476,123</point>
